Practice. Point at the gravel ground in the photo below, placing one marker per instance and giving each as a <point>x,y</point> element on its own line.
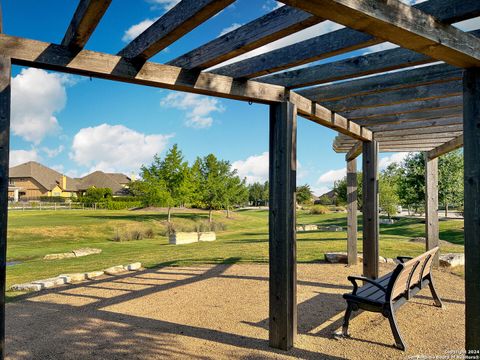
<point>221,312</point>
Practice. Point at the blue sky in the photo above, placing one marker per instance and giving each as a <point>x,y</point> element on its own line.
<point>77,125</point>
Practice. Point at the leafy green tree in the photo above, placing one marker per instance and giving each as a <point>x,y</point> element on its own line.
<point>388,197</point>
<point>266,193</point>
<point>450,179</point>
<point>411,182</point>
<point>213,177</point>
<point>237,192</point>
<point>340,191</point>
<point>166,182</point>
<point>256,193</point>
<point>304,194</point>
<point>95,195</point>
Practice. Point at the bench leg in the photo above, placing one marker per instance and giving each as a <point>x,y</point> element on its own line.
<point>436,298</point>
<point>399,344</point>
<point>346,320</point>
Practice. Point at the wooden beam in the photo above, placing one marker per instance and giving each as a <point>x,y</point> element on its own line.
<point>383,82</point>
<point>178,21</point>
<point>399,142</point>
<point>453,144</point>
<point>471,149</point>
<point>414,106</point>
<point>412,116</point>
<point>370,209</point>
<point>400,24</point>
<point>417,124</point>
<point>86,18</point>
<point>417,131</point>
<point>352,225</point>
<point>431,206</point>
<point>335,43</point>
<point>48,56</point>
<point>266,29</point>
<point>5,100</point>
<point>354,152</point>
<point>282,231</point>
<point>325,117</point>
<point>398,96</point>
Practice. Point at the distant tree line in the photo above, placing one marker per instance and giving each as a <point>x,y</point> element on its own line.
<point>403,184</point>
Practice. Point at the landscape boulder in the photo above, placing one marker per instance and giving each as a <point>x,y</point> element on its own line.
<point>115,270</point>
<point>387,221</point>
<point>452,260</point>
<point>75,277</point>
<point>207,236</point>
<point>180,238</point>
<point>59,256</point>
<point>86,251</point>
<point>133,266</point>
<point>50,282</point>
<point>26,287</point>
<point>93,274</point>
<point>307,227</point>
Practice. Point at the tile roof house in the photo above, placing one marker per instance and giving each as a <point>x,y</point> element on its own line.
<point>34,180</point>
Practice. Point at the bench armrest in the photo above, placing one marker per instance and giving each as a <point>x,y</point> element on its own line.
<point>403,259</point>
<point>353,280</point>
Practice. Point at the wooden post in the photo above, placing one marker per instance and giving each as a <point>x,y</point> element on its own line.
<point>352,193</point>
<point>431,205</point>
<point>471,149</point>
<point>5,91</point>
<point>282,235</point>
<point>370,209</point>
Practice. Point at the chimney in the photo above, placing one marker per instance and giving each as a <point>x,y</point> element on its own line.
<point>64,182</point>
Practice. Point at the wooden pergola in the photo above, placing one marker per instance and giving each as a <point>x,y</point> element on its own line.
<point>433,105</point>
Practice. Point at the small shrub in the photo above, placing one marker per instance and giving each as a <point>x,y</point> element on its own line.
<point>318,210</point>
<point>149,233</point>
<point>136,235</point>
<point>117,236</point>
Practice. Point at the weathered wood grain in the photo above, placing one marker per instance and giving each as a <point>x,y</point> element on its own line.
<point>282,229</point>
<point>383,82</point>
<point>354,152</point>
<point>370,209</point>
<point>5,100</point>
<point>352,225</point>
<point>178,21</point>
<point>431,206</point>
<point>453,144</point>
<point>471,149</point>
<point>416,124</point>
<point>397,96</point>
<point>85,19</point>
<point>400,24</point>
<point>268,28</point>
<point>412,116</point>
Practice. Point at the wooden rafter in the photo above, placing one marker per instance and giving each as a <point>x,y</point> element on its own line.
<point>354,151</point>
<point>178,21</point>
<point>86,18</point>
<point>384,82</point>
<point>338,42</point>
<point>412,116</point>
<point>270,27</point>
<point>400,24</point>
<point>416,124</point>
<point>453,144</point>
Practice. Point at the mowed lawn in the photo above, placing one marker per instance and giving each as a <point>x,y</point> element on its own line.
<point>33,234</point>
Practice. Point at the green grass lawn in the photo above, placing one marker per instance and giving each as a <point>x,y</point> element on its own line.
<point>34,234</point>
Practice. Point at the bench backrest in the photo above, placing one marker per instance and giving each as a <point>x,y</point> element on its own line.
<point>411,273</point>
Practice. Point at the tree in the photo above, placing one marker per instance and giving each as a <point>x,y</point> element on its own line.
<point>167,182</point>
<point>304,194</point>
<point>95,195</point>
<point>388,197</point>
<point>212,178</point>
<point>411,182</point>
<point>450,179</point>
<point>340,191</point>
<point>237,192</point>
<point>255,193</point>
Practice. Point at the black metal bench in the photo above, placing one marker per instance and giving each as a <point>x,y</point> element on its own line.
<point>388,293</point>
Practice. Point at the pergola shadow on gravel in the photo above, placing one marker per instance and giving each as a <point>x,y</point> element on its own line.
<point>400,106</point>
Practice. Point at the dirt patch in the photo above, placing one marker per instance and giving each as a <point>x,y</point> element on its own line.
<point>221,312</point>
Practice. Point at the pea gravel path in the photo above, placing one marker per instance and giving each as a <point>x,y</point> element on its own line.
<point>220,312</point>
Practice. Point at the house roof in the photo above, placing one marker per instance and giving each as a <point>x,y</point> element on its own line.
<point>99,179</point>
<point>46,177</point>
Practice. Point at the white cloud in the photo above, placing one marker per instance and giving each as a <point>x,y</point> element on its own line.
<point>198,108</point>
<point>115,148</point>
<point>312,31</point>
<point>230,28</point>
<point>36,97</point>
<point>469,25</point>
<point>135,30</point>
<point>394,158</point>
<point>53,152</point>
<point>319,191</point>
<point>18,157</point>
<point>254,168</point>
<point>165,4</point>
<point>332,176</point>
<point>271,5</point>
